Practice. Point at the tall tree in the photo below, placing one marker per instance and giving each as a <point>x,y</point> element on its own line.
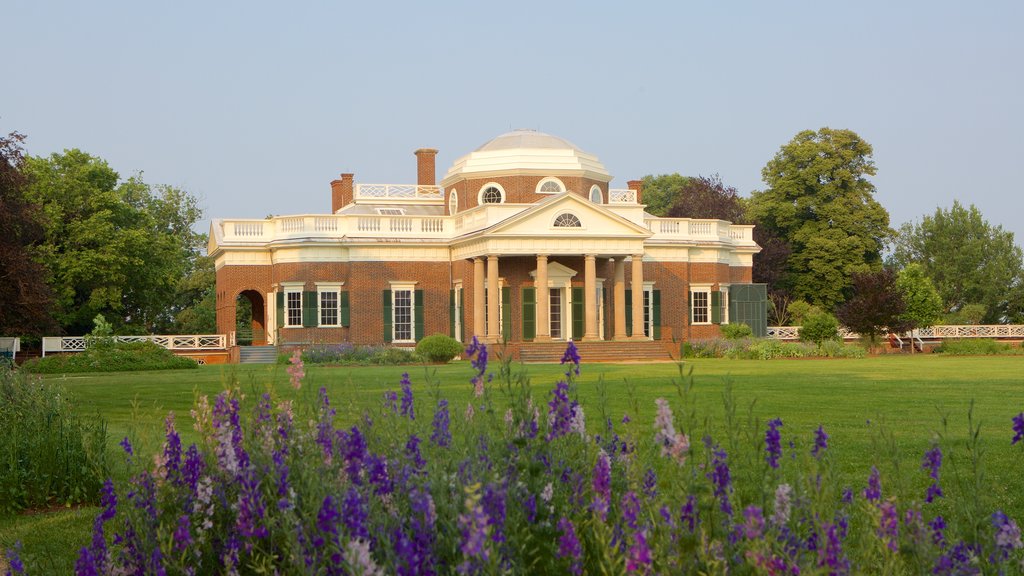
<point>660,192</point>
<point>876,305</point>
<point>25,297</point>
<point>968,260</point>
<point>112,247</point>
<point>820,202</point>
<point>707,197</point>
<point>923,303</point>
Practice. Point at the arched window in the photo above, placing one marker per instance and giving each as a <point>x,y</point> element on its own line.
<point>567,220</point>
<point>550,185</point>
<point>595,195</point>
<point>492,194</point>
<point>453,202</point>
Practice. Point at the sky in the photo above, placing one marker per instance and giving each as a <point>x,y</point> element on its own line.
<point>255,107</point>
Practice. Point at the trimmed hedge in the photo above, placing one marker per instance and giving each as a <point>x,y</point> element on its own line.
<point>438,348</point>
<point>111,357</point>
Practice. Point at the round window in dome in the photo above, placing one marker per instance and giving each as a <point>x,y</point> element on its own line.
<point>492,194</point>
<point>550,185</point>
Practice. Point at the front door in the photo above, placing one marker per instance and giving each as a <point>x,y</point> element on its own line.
<point>555,312</point>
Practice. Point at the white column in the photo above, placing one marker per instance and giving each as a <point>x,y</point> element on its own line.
<point>543,299</point>
<point>637,286</point>
<point>493,300</point>
<point>619,295</point>
<point>479,330</point>
<point>590,297</point>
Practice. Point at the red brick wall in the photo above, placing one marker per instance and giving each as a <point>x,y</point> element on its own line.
<point>520,189</point>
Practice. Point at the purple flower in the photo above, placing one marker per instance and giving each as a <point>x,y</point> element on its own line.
<point>377,472</point>
<point>938,526</point>
<point>441,436</point>
<point>126,444</point>
<point>408,409</point>
<point>477,353</point>
<point>753,523</point>
<point>631,510</point>
<point>602,484</point>
<point>688,515</point>
<point>473,527</point>
<point>415,552</point>
<point>650,484</point>
<point>772,443</point>
<point>412,453</point>
<point>820,442</point>
<point>494,507</point>
<point>182,534</point>
<point>847,497</point>
<point>530,507</point>
<point>889,525</point>
<point>251,508</point>
<point>721,479</point>
<point>354,514</point>
<point>831,554</point>
<point>569,545</point>
<point>172,450</point>
<point>15,567</point>
<point>874,490</point>
<point>1007,533</point>
<point>391,401</point>
<point>572,356</point>
<point>327,518</point>
<point>1018,428</point>
<point>194,467</point>
<point>561,411</point>
<point>783,495</point>
<point>932,462</point>
<point>639,558</point>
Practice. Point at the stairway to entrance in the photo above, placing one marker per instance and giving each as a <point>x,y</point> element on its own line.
<point>257,354</point>
<point>621,351</point>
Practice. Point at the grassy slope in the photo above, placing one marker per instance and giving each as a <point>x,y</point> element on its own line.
<point>903,394</point>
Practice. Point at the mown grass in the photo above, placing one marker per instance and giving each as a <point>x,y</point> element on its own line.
<point>881,411</point>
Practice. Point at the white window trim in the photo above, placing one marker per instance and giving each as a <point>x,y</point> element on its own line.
<point>395,288</point>
<point>292,288</point>
<point>724,289</point>
<point>600,194</point>
<point>458,311</point>
<point>453,201</point>
<point>480,194</point>
<point>705,289</point>
<point>552,226</point>
<point>561,185</point>
<point>321,288</point>
<point>649,308</point>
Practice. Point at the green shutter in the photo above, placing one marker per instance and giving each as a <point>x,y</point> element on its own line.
<point>716,307</point>
<point>418,314</point>
<point>629,312</point>
<point>451,313</point>
<point>280,309</point>
<point>344,314</point>
<point>506,313</point>
<point>529,313</point>
<point>386,302</point>
<point>462,324</point>
<point>310,310</point>
<point>656,313</point>
<point>577,313</point>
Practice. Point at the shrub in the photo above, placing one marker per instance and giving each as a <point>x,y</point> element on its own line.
<point>105,355</point>
<point>800,310</point>
<point>768,349</point>
<point>438,348</point>
<point>736,331</point>
<point>347,353</point>
<point>48,455</point>
<point>818,328</point>
<point>976,347</point>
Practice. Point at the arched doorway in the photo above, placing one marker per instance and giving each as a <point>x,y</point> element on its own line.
<point>250,323</point>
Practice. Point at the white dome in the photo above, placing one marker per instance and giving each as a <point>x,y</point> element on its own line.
<point>527,152</point>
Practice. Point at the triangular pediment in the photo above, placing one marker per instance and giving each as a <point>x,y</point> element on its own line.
<point>542,219</point>
<point>556,272</point>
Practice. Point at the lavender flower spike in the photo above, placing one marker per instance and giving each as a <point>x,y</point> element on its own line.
<point>772,442</point>
<point>569,545</point>
<point>820,442</point>
<point>1018,428</point>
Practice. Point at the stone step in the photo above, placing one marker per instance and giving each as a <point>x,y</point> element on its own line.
<point>257,354</point>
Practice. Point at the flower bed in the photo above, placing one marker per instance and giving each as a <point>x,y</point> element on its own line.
<point>471,489</point>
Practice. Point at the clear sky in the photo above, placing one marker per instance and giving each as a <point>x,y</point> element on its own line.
<point>254,107</point>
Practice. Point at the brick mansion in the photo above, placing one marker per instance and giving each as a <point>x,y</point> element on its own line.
<point>522,242</point>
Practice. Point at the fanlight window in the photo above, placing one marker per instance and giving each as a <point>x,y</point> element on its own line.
<point>491,196</point>
<point>567,220</point>
<point>550,187</point>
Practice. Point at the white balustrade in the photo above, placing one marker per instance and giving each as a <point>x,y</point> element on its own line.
<point>940,332</point>
<point>190,342</point>
<point>248,229</point>
<point>398,192</point>
<point>621,196</point>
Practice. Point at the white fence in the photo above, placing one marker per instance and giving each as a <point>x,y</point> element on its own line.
<point>9,348</point>
<point>930,333</point>
<point>175,342</point>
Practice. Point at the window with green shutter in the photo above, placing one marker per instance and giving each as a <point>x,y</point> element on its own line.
<point>656,313</point>
<point>386,303</point>
<point>716,307</point>
<point>506,313</point>
<point>629,312</point>
<point>280,309</point>
<point>344,309</point>
<point>418,315</point>
<point>310,309</point>
<point>451,313</point>
<point>529,313</point>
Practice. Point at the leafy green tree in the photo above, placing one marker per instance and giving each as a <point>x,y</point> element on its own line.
<point>660,192</point>
<point>25,298</point>
<point>968,260</point>
<point>820,202</point>
<point>876,306</point>
<point>111,247</point>
<point>819,327</point>
<point>924,305</point>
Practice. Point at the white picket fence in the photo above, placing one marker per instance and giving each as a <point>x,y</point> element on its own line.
<point>942,332</point>
<point>175,342</point>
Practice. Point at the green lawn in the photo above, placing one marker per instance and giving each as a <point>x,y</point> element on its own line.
<point>883,411</point>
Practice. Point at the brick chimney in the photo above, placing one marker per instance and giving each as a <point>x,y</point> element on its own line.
<point>341,192</point>
<point>426,175</point>
<point>638,186</point>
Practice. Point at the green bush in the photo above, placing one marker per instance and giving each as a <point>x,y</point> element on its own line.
<point>818,328</point>
<point>105,355</point>
<point>736,331</point>
<point>976,347</point>
<point>438,348</point>
<point>768,349</point>
<point>800,310</point>
<point>347,353</point>
<point>48,455</point>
